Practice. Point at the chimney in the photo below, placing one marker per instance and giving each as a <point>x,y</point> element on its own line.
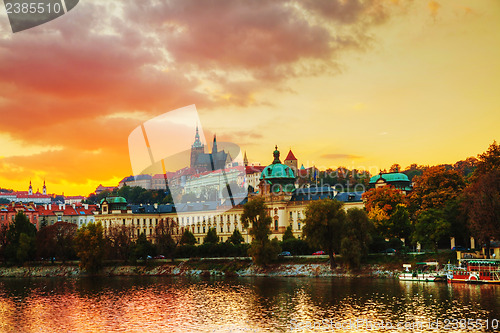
<point>50,207</point>
<point>86,206</point>
<point>74,206</point>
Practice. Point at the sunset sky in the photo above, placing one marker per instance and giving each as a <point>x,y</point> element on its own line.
<point>352,83</point>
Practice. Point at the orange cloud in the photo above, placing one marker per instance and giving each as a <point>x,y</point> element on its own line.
<point>61,82</point>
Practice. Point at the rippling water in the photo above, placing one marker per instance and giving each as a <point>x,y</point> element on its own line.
<point>164,304</point>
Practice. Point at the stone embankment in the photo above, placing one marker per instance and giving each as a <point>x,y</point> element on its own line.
<point>203,268</point>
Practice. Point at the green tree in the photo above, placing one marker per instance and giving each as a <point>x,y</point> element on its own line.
<point>143,247</point>
<point>256,218</point>
<point>356,238</point>
<point>21,225</point>
<point>187,238</point>
<point>211,237</point>
<point>324,226</point>
<point>236,238</point>
<point>23,250</point>
<point>90,246</point>
<point>288,234</point>
<point>430,227</point>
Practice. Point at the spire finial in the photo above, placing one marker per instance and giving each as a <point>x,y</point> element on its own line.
<point>276,155</point>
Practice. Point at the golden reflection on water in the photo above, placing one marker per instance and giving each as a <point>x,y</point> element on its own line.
<point>159,304</point>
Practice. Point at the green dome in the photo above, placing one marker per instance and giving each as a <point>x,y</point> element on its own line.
<point>114,200</point>
<point>390,177</point>
<point>277,171</point>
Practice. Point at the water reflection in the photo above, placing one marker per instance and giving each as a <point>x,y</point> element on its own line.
<point>161,304</point>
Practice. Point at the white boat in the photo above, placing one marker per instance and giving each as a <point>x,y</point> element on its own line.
<point>424,271</point>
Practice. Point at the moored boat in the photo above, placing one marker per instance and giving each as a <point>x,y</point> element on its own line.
<point>424,272</point>
<point>475,271</point>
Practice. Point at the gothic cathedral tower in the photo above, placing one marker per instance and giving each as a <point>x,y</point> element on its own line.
<point>196,148</point>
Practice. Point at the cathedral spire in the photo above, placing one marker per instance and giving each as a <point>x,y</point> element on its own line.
<point>214,146</point>
<point>245,159</point>
<point>197,143</point>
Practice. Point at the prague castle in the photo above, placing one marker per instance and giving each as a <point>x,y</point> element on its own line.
<point>276,183</point>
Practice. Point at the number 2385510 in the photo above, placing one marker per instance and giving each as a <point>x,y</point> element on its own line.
<point>33,8</point>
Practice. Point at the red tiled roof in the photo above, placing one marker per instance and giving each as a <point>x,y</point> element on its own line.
<point>254,168</point>
<point>290,156</point>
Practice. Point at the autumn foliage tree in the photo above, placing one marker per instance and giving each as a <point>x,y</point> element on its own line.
<point>482,197</point>
<point>436,194</point>
<point>386,207</point>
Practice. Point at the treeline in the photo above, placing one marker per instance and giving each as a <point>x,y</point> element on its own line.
<point>133,195</point>
<point>460,201</point>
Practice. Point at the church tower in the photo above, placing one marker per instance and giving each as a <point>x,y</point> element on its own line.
<point>291,161</point>
<point>30,189</point>
<point>196,148</point>
<point>44,190</point>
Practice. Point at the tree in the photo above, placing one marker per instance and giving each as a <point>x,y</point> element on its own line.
<point>482,206</point>
<point>430,227</point>
<point>324,225</point>
<point>211,237</point>
<point>236,238</point>
<point>143,247</point>
<point>435,193</point>
<point>288,234</point>
<point>90,247</point>
<point>4,228</point>
<point>434,188</point>
<point>187,238</point>
<point>56,241</point>
<point>164,237</point>
<point>356,238</point>
<point>385,206</point>
<point>64,239</point>
<point>399,225</point>
<point>256,217</point>
<point>20,226</point>
<point>120,242</point>
<point>489,160</point>
<point>395,168</point>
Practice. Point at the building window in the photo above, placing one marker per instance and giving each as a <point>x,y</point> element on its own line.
<point>221,228</point>
<point>203,229</point>
<point>298,224</point>
<point>276,225</point>
<point>291,215</point>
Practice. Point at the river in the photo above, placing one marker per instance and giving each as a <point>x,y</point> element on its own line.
<point>172,304</point>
